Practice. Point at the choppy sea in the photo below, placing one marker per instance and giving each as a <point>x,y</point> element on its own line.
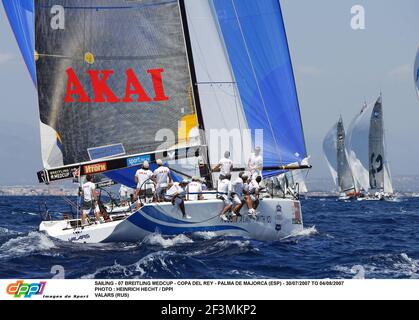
<point>340,240</point>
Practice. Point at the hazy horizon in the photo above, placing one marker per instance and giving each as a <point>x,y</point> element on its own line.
<point>336,70</point>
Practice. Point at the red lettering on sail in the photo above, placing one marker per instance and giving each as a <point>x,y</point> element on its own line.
<point>158,84</point>
<point>103,93</point>
<point>100,87</point>
<point>74,87</point>
<point>134,88</point>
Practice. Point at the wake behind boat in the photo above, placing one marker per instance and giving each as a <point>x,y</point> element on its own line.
<point>173,81</point>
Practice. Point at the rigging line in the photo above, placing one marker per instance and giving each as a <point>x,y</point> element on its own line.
<point>207,70</point>
<point>256,80</point>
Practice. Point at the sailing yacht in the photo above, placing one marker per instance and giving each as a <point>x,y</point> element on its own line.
<point>122,82</point>
<point>335,153</point>
<point>367,155</point>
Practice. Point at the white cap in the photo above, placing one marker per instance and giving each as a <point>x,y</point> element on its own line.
<point>185,181</point>
<point>146,165</point>
<point>159,162</point>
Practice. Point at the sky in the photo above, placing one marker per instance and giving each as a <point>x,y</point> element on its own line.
<point>336,69</point>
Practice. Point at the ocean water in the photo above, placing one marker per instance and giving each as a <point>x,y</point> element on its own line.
<point>340,240</point>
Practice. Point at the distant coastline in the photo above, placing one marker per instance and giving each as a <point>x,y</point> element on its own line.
<point>31,191</point>
<point>319,187</point>
<point>41,190</point>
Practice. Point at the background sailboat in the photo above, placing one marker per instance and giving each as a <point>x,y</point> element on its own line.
<point>336,157</point>
<point>366,150</point>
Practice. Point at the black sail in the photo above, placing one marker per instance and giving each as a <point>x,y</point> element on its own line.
<point>376,148</point>
<point>112,38</point>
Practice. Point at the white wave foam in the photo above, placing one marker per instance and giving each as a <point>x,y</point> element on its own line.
<point>157,239</point>
<point>206,235</point>
<point>5,231</point>
<point>25,245</point>
<point>25,212</point>
<point>143,266</point>
<point>389,265</point>
<point>228,243</point>
<point>306,232</point>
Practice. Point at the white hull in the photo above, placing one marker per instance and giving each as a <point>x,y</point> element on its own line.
<point>277,219</point>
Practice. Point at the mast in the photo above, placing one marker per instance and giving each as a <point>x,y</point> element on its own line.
<point>207,172</point>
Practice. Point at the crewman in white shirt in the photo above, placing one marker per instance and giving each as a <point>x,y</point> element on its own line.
<point>224,193</point>
<point>145,184</point>
<point>162,177</point>
<point>194,189</point>
<point>89,200</point>
<point>252,199</point>
<point>176,194</point>
<point>255,164</point>
<point>224,166</point>
<point>124,192</point>
<point>240,187</point>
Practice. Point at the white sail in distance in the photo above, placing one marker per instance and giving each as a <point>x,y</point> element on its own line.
<point>336,157</point>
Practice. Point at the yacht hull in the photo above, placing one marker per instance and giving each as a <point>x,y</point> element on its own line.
<point>276,219</point>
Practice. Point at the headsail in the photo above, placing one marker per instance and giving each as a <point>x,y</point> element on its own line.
<point>21,18</point>
<point>335,153</point>
<point>255,40</point>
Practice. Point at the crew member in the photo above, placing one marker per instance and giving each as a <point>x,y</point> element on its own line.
<point>224,166</point>
<point>89,200</point>
<point>176,194</point>
<point>162,177</point>
<point>240,187</point>
<point>194,189</point>
<point>145,184</point>
<point>252,199</point>
<point>224,193</point>
<point>123,195</point>
<point>255,164</point>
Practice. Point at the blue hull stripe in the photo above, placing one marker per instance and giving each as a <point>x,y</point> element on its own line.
<point>158,215</point>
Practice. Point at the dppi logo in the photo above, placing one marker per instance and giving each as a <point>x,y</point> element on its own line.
<point>27,290</point>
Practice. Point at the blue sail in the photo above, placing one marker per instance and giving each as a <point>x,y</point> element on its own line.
<point>22,20</point>
<point>256,43</point>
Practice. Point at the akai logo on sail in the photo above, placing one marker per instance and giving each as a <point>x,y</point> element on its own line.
<point>21,289</point>
<point>102,93</point>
